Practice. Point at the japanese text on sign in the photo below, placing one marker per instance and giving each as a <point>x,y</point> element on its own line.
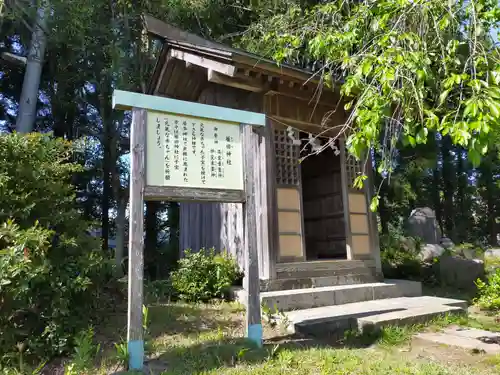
<point>193,152</point>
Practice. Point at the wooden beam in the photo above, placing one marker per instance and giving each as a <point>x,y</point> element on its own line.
<point>225,69</point>
<point>252,280</point>
<point>135,340</point>
<point>184,194</point>
<point>240,82</point>
<point>126,100</point>
<point>162,74</point>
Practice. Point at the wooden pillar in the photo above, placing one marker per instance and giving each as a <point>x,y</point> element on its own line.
<point>252,280</point>
<point>345,198</point>
<point>135,339</point>
<point>372,216</point>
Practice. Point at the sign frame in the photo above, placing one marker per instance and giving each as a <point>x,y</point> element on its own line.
<point>140,104</point>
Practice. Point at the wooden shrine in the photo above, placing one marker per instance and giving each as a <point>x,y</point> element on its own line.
<point>310,219</point>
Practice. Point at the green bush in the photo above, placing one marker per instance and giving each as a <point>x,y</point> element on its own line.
<point>489,292</point>
<point>204,275</point>
<point>400,257</point>
<point>52,273</point>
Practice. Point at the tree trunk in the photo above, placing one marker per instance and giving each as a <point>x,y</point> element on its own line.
<point>29,95</point>
<point>120,234</point>
<point>151,232</point>
<point>462,217</point>
<point>448,188</point>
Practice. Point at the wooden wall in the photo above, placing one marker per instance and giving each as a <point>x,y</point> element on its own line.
<point>221,225</point>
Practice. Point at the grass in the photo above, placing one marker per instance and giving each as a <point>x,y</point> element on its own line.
<point>207,339</point>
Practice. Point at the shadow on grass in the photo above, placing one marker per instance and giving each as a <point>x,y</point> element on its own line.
<point>187,319</point>
<point>211,355</point>
<point>228,353</point>
<point>170,319</point>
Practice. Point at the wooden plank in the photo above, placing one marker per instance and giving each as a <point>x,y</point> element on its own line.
<point>126,100</point>
<point>211,65</point>
<point>136,240</point>
<point>272,198</point>
<point>185,194</point>
<point>253,317</point>
<point>244,83</point>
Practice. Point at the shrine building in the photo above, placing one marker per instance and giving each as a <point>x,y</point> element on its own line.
<point>314,228</point>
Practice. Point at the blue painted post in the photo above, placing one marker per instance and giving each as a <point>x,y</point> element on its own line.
<point>136,240</point>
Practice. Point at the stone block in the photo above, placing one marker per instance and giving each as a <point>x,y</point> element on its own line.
<point>422,223</point>
<point>461,273</point>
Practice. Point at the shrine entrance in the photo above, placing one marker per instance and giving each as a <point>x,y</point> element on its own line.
<point>324,227</point>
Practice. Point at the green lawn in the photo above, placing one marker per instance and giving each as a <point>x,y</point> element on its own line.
<point>206,339</point>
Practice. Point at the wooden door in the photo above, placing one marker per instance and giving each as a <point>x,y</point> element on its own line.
<point>322,205</point>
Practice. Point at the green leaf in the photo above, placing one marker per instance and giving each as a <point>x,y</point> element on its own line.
<point>367,67</point>
<point>494,108</point>
<point>474,157</point>
<point>412,141</point>
<point>374,203</point>
<point>471,109</point>
<point>443,96</point>
<point>422,135</point>
<point>494,92</point>
<point>421,75</point>
<point>348,105</point>
<point>358,181</point>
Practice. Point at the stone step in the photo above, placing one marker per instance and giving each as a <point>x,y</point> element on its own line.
<point>324,268</point>
<point>296,299</point>
<point>317,282</point>
<point>306,298</point>
<point>411,316</point>
<point>335,320</point>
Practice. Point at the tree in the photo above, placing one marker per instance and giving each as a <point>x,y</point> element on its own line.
<point>405,68</point>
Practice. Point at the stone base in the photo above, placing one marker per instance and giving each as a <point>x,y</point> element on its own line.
<point>295,299</point>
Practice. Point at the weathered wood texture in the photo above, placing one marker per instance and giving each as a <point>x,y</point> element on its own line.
<point>136,235</point>
<point>180,194</point>
<point>220,225</point>
<point>252,277</point>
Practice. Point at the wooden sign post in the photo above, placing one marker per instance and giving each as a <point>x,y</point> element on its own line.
<point>184,151</point>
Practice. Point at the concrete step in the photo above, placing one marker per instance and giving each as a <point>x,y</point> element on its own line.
<point>296,299</point>
<point>317,282</point>
<point>322,268</point>
<point>369,315</point>
<point>411,316</point>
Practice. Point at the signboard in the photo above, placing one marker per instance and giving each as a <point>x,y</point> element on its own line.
<point>184,151</point>
<point>192,151</point>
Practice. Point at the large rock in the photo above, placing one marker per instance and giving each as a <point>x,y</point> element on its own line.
<point>492,253</point>
<point>447,243</point>
<point>431,251</point>
<point>461,273</point>
<point>422,223</point>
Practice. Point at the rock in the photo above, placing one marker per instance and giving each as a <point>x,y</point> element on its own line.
<point>447,243</point>
<point>492,253</point>
<point>430,251</point>
<point>409,244</point>
<point>422,223</point>
<point>461,273</point>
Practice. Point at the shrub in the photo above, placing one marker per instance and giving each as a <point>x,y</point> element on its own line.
<point>400,257</point>
<point>204,275</point>
<point>51,272</point>
<point>489,292</point>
